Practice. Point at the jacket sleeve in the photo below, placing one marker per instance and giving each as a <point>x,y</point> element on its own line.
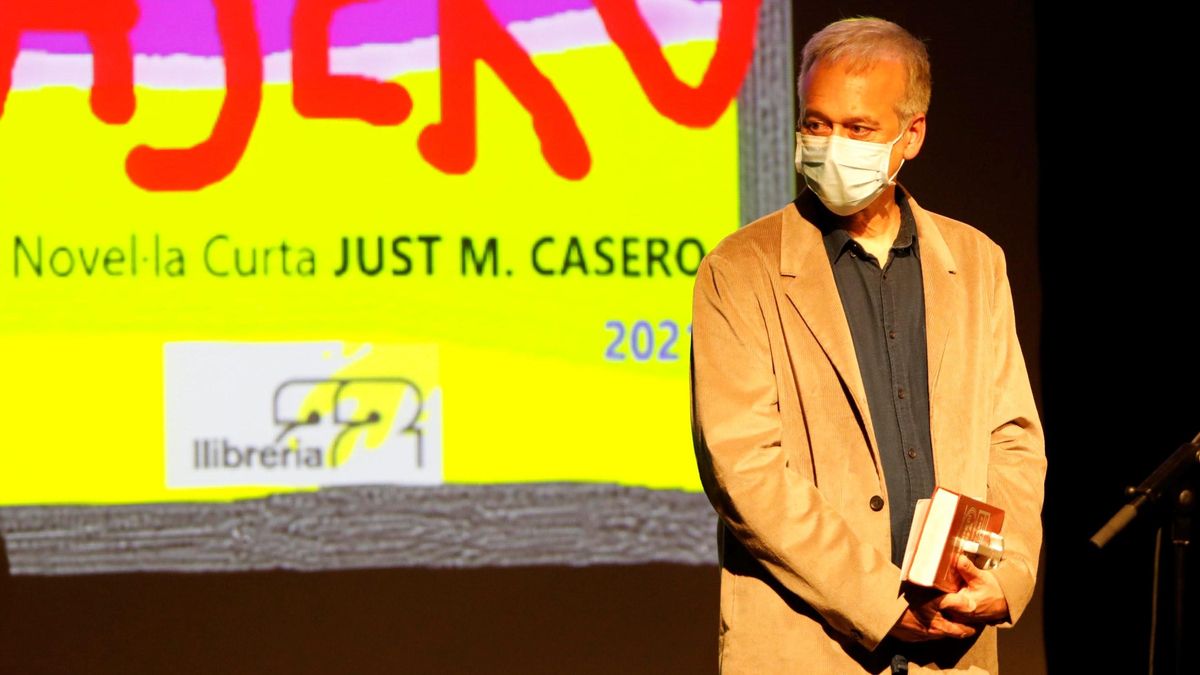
<point>777,513</point>
<point>1017,456</point>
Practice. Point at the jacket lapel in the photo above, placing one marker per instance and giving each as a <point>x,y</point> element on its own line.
<point>813,292</point>
<point>945,300</point>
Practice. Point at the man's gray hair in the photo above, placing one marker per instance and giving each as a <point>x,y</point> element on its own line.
<point>864,41</point>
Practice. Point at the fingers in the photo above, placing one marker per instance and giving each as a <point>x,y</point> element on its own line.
<point>943,627</point>
<point>907,634</point>
<point>966,568</point>
<point>929,624</point>
<point>914,628</point>
<point>979,600</point>
<point>961,602</point>
<point>940,626</point>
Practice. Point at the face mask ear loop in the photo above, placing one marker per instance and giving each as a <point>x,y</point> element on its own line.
<point>892,178</point>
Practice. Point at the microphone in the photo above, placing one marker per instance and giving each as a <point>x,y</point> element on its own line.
<point>1183,459</point>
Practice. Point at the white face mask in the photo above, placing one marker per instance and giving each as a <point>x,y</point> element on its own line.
<point>844,173</point>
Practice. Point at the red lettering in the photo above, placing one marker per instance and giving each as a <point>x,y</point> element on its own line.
<point>216,157</point>
<point>107,25</point>
<point>468,32</point>
<point>317,94</point>
<point>691,106</point>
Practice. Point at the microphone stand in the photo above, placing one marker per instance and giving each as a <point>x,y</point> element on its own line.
<point>1181,535</point>
<point>1174,479</point>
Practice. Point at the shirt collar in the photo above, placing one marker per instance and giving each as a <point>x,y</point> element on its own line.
<point>838,240</point>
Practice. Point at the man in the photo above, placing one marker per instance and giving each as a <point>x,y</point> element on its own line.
<point>850,351</point>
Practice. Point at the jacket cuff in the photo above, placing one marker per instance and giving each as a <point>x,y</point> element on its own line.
<point>870,636</point>
<point>1017,588</point>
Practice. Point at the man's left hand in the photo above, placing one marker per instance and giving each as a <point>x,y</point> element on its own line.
<point>980,600</point>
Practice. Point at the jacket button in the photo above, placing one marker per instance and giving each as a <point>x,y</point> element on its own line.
<point>876,503</point>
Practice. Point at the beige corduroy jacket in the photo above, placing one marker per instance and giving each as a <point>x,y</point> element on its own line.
<point>787,453</point>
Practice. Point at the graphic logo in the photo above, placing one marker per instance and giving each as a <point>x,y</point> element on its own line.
<point>345,390</point>
<point>301,414</point>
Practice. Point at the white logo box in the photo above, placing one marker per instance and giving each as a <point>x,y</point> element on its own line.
<point>301,414</point>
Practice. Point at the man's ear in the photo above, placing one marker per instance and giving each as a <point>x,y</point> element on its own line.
<point>915,133</point>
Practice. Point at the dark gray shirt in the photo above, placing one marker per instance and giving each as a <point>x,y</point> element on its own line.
<point>885,307</point>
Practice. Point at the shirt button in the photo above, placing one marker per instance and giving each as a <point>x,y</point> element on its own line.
<point>912,454</point>
<point>892,334</point>
<point>876,503</point>
<point>900,393</point>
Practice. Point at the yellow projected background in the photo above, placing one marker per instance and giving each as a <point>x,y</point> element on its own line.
<point>528,393</point>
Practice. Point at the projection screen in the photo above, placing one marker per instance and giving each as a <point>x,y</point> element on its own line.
<point>314,284</point>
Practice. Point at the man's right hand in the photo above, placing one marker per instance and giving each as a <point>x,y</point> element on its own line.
<point>923,621</point>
